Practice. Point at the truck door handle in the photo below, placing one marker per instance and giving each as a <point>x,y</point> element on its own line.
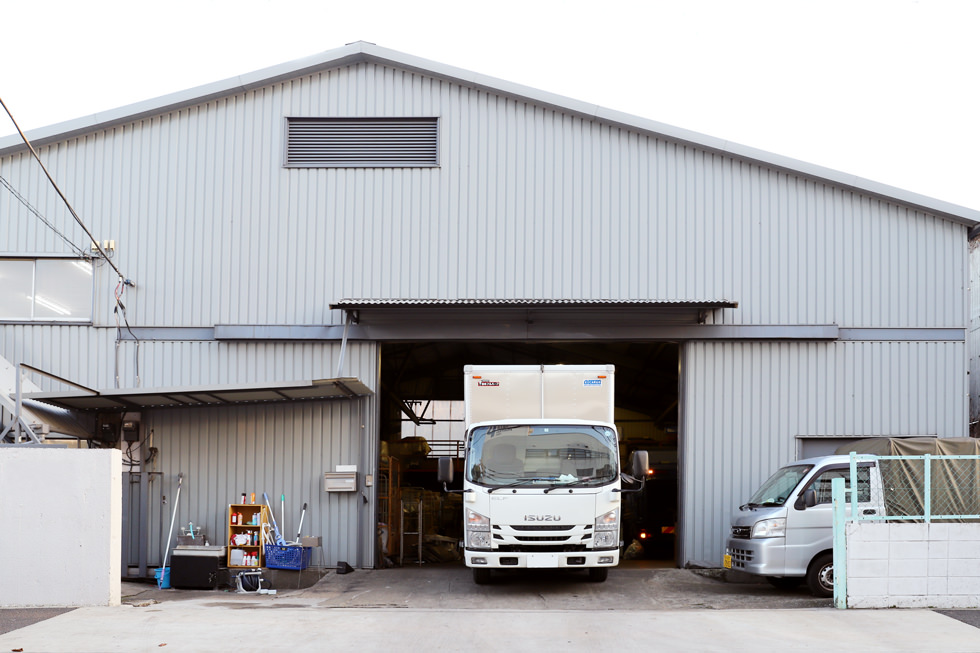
<point>868,511</point>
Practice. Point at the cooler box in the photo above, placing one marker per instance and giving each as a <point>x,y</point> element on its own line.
<point>196,567</point>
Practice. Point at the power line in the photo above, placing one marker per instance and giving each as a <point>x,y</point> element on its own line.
<point>60,194</point>
<point>123,281</point>
<point>23,200</point>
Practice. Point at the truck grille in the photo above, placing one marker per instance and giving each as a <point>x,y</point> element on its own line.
<point>544,527</point>
<point>540,548</point>
<point>741,532</point>
<point>740,557</point>
<point>541,538</point>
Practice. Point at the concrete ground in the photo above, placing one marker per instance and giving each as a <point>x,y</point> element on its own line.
<point>438,608</point>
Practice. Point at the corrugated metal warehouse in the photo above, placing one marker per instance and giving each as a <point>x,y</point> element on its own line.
<point>317,249</point>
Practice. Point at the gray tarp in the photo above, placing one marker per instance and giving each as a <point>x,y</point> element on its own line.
<point>955,483</point>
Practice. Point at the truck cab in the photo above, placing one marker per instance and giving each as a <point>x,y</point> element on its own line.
<point>784,532</point>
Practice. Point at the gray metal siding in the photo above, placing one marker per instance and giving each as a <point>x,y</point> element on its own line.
<point>745,403</point>
<point>88,356</point>
<point>281,449</point>
<point>527,202</point>
<point>973,337</point>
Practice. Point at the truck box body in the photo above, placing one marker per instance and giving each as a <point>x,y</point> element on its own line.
<point>510,392</point>
<point>541,480</point>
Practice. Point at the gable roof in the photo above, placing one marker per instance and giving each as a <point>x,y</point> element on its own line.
<point>364,52</point>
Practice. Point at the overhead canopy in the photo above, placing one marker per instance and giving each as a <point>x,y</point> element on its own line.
<point>520,318</point>
<point>214,395</point>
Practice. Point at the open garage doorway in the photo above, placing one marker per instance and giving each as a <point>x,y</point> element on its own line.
<point>421,403</point>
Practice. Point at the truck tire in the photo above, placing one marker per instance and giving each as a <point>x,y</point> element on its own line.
<point>820,575</point>
<point>481,576</point>
<point>598,574</point>
<point>785,582</point>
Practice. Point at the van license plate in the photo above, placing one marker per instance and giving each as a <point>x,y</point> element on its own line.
<point>728,561</point>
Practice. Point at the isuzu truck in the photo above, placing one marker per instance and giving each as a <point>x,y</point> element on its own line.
<point>541,473</point>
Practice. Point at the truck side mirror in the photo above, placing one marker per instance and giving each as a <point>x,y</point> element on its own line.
<point>641,463</point>
<point>445,469</point>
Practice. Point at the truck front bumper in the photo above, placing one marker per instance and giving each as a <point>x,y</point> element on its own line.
<point>763,556</point>
<point>542,560</point>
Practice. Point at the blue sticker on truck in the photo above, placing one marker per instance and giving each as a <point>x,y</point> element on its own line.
<point>593,382</point>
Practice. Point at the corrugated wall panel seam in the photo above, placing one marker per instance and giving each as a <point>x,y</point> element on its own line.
<point>785,390</point>
<point>257,216</point>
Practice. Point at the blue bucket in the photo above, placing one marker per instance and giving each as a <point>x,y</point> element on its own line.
<point>162,574</point>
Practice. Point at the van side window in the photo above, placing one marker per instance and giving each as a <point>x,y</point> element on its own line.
<point>821,484</point>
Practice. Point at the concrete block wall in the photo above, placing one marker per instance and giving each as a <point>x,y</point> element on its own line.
<point>62,518</point>
<point>934,565</point>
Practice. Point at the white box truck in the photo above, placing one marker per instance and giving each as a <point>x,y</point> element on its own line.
<point>541,476</point>
<point>784,532</point>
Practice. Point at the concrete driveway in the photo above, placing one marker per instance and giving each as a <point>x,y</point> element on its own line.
<point>439,608</point>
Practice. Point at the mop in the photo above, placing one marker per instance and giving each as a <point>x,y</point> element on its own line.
<point>166,550</point>
<point>275,527</point>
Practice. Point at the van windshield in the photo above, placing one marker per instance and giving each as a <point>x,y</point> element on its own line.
<point>780,485</point>
<point>542,454</point>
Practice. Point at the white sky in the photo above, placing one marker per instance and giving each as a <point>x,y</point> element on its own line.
<point>888,90</point>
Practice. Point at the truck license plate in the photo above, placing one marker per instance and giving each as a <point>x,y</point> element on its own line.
<point>728,561</point>
<point>542,560</point>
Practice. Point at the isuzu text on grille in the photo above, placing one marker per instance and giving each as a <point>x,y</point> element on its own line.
<point>542,517</point>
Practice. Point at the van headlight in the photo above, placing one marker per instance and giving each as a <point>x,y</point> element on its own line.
<point>769,528</point>
<point>477,530</point>
<point>607,530</point>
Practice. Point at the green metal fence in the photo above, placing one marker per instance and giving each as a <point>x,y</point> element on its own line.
<point>919,489</point>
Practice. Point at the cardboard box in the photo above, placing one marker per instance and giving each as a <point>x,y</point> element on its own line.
<point>311,541</point>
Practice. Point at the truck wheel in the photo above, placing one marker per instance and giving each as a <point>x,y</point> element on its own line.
<point>598,574</point>
<point>481,576</point>
<point>785,582</point>
<point>820,575</point>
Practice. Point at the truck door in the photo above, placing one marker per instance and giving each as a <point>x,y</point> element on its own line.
<point>810,530</point>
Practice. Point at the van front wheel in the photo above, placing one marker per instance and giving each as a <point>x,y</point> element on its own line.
<point>820,575</point>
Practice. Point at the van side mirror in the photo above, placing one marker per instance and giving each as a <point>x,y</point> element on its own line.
<point>807,500</point>
<point>445,474</point>
<point>641,463</point>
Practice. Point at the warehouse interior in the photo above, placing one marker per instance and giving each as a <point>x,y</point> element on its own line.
<point>421,394</point>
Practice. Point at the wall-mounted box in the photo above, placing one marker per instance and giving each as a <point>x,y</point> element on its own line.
<point>339,481</point>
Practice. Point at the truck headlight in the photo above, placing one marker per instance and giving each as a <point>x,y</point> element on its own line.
<point>477,530</point>
<point>769,528</point>
<point>607,529</point>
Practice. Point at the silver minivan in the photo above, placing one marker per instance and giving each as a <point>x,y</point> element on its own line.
<point>785,530</point>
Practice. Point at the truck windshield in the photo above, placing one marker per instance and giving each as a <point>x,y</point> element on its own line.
<point>542,455</point>
<point>775,491</point>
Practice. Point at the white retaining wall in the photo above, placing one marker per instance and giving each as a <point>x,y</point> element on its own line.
<point>62,520</point>
<point>934,565</point>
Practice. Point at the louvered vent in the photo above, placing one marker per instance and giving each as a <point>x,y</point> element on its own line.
<point>361,142</point>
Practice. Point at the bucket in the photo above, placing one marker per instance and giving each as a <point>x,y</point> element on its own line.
<point>162,574</point>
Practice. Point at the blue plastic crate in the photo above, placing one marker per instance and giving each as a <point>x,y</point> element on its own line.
<point>287,557</point>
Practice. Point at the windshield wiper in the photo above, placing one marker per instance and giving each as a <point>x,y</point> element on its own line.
<point>765,504</point>
<point>578,481</point>
<point>521,481</point>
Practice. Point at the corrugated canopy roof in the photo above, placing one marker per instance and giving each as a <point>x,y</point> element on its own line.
<point>358,304</point>
<point>196,396</point>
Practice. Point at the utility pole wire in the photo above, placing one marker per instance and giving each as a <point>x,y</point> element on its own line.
<point>23,200</point>
<point>61,195</point>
